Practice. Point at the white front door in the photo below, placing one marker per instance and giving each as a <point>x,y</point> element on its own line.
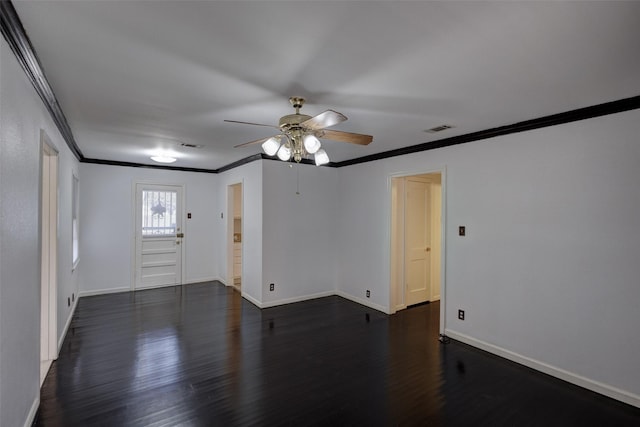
<point>159,235</point>
<point>417,241</point>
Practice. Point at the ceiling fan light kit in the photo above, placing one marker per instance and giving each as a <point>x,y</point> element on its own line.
<point>321,157</point>
<point>311,144</point>
<point>271,145</point>
<point>302,133</point>
<point>284,153</point>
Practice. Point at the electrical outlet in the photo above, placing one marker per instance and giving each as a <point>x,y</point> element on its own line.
<point>368,293</point>
<point>272,287</point>
<point>462,230</point>
<point>461,314</point>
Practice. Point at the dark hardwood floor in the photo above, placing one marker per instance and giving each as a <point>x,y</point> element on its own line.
<point>199,355</point>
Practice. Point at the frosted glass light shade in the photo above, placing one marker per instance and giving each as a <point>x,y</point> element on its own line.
<point>271,145</point>
<point>284,153</point>
<point>321,157</point>
<point>163,159</point>
<point>311,144</point>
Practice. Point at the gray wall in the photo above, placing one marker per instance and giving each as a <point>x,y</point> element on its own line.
<point>22,116</point>
<point>298,231</point>
<point>548,272</point>
<point>107,238</point>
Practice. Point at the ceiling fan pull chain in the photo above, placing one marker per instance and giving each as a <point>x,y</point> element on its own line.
<point>298,179</point>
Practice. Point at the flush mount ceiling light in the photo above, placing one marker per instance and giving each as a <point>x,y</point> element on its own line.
<point>163,158</point>
<point>300,135</point>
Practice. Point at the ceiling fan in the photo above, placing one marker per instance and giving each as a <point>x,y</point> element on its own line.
<point>299,134</point>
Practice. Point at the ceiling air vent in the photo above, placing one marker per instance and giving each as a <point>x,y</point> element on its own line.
<point>184,144</point>
<point>439,128</point>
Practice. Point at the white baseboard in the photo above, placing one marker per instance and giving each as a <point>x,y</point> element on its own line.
<point>297,299</point>
<point>362,301</point>
<point>589,384</point>
<point>33,411</point>
<point>199,280</point>
<point>252,300</point>
<point>128,289</point>
<point>66,325</point>
<point>104,291</point>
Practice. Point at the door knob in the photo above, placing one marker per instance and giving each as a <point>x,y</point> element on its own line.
<point>427,249</point>
<point>177,242</point>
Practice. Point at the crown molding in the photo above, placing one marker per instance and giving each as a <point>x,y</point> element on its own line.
<point>142,165</point>
<point>604,109</point>
<point>17,38</point>
<point>239,163</point>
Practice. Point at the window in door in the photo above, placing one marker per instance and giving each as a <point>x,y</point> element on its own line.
<point>159,213</point>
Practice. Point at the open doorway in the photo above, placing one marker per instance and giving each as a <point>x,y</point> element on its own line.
<point>234,236</point>
<point>48,254</point>
<point>417,272</point>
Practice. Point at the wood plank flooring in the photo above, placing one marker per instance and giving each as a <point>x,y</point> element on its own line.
<point>200,355</point>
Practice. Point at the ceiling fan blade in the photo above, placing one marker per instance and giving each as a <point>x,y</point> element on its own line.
<point>249,123</point>
<point>257,141</point>
<point>351,138</point>
<point>324,120</point>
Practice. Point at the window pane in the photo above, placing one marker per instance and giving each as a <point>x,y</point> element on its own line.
<point>158,213</point>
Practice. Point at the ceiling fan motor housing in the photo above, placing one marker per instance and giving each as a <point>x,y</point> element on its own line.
<point>292,121</point>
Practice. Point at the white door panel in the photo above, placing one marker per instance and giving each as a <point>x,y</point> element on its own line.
<point>417,241</point>
<point>158,235</point>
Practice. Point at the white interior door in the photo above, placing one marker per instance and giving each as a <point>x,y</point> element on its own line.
<point>48,266</point>
<point>159,235</point>
<point>417,241</point>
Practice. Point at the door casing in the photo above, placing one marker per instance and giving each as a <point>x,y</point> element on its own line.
<point>396,245</point>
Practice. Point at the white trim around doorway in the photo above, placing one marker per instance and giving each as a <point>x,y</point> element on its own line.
<point>389,207</point>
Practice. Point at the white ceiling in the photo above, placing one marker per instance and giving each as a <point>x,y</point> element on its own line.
<point>133,77</point>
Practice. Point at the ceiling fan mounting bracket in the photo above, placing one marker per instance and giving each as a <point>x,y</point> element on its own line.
<point>297,102</point>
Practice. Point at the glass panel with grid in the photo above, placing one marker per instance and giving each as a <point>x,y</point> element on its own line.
<point>159,213</point>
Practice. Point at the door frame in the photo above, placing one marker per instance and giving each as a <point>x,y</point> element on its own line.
<point>134,219</point>
<point>393,282</point>
<point>48,244</point>
<point>230,218</point>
